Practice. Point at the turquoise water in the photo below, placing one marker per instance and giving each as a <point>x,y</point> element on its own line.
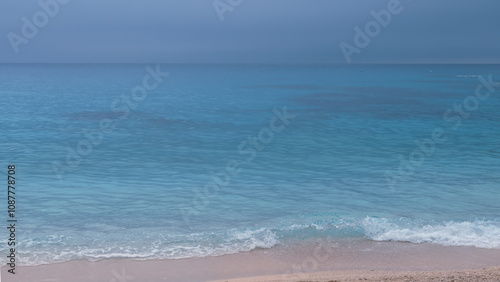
<point>224,159</point>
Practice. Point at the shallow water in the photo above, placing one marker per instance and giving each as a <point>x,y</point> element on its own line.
<point>207,164</point>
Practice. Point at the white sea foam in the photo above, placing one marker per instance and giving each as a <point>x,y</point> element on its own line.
<point>162,244</point>
<point>54,249</point>
<point>478,233</point>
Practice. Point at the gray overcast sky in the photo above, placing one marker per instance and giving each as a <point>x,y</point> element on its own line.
<point>256,31</point>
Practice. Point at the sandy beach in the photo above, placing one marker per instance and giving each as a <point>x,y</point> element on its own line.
<point>486,274</point>
<point>308,261</point>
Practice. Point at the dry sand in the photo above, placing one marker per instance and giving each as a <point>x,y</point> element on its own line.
<point>486,274</point>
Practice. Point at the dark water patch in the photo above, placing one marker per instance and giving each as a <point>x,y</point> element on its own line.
<point>440,81</point>
<point>400,92</point>
<point>169,122</point>
<point>440,75</point>
<point>286,87</point>
<point>94,115</point>
<point>383,91</point>
<point>381,102</point>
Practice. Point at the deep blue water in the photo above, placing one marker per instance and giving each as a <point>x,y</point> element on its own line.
<point>94,182</point>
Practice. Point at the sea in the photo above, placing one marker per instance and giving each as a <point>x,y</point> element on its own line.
<point>161,161</point>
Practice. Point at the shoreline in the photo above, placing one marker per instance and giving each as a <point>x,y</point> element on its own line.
<point>312,260</point>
